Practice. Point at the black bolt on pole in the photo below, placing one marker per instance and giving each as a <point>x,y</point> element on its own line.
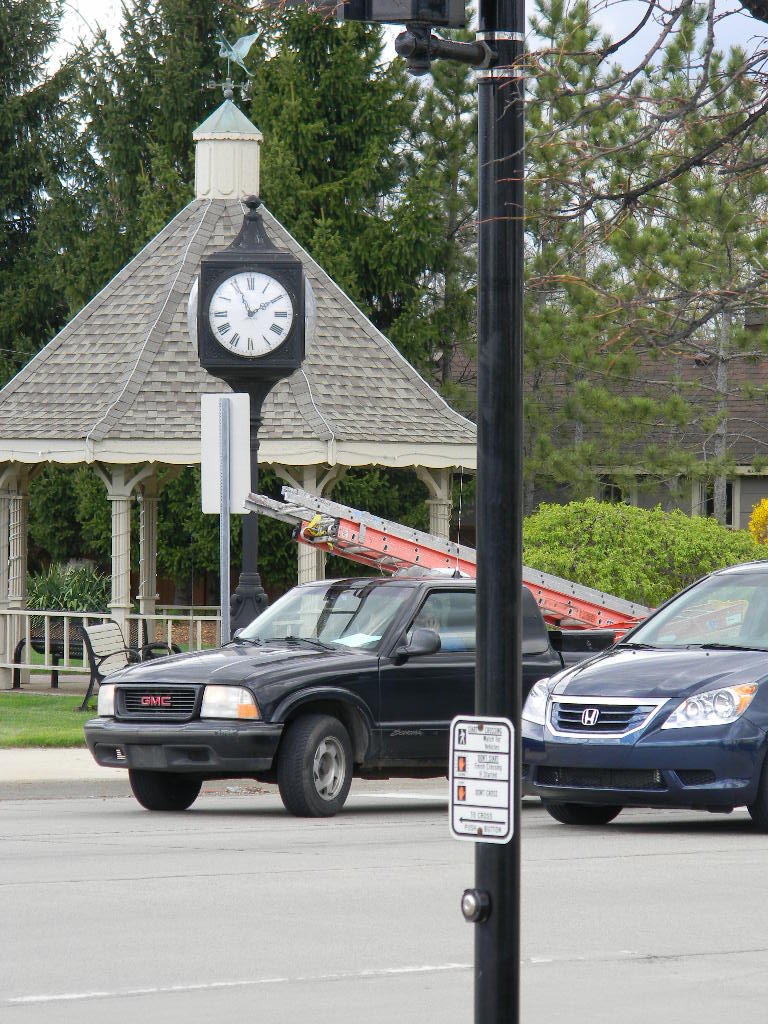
<point>498,686</point>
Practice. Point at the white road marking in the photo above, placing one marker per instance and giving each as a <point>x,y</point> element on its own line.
<point>613,956</point>
<point>384,972</point>
<point>406,796</point>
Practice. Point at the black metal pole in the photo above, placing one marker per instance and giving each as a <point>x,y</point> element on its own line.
<point>498,685</point>
<point>249,598</point>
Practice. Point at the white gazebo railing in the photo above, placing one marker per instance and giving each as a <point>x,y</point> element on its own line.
<point>50,641</point>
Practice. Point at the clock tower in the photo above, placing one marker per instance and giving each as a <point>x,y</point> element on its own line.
<point>248,308</point>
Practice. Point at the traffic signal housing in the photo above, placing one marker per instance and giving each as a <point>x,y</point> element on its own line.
<point>446,13</point>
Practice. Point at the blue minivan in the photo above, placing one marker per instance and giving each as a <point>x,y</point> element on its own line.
<point>673,715</point>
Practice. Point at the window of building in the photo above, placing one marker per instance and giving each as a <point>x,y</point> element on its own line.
<point>708,501</point>
<point>609,490</point>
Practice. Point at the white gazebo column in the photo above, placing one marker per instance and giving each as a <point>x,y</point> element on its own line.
<point>314,480</point>
<point>18,520</point>
<point>17,504</point>
<point>120,487</point>
<point>148,498</point>
<point>438,483</point>
<point>7,641</point>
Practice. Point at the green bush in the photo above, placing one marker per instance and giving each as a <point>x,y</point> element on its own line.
<point>639,554</point>
<point>69,588</point>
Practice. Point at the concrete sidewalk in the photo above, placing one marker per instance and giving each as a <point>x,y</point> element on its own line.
<point>56,773</point>
<point>37,773</point>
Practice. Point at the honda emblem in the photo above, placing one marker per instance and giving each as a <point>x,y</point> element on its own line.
<point>589,717</point>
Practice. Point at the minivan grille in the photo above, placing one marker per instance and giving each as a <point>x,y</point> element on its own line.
<point>159,702</point>
<point>599,718</point>
<point>600,778</point>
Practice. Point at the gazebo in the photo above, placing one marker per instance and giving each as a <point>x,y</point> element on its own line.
<point>119,389</point>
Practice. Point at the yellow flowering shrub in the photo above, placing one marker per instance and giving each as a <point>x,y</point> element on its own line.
<point>758,522</point>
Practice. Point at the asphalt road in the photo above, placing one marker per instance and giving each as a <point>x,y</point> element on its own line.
<point>234,911</point>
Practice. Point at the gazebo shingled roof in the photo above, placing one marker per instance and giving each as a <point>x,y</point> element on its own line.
<point>121,383</point>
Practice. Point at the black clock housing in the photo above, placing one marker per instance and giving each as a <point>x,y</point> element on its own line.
<point>253,251</point>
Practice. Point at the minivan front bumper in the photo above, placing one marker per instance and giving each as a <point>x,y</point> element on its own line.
<point>713,768</point>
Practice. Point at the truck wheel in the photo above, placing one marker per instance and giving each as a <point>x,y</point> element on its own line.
<point>581,814</point>
<point>314,767</point>
<point>164,791</point>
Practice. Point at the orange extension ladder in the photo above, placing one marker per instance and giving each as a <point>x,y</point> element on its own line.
<point>391,547</point>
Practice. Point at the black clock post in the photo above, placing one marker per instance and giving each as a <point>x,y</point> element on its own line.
<point>250,333</point>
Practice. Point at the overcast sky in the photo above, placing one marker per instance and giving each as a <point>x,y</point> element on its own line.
<point>616,16</point>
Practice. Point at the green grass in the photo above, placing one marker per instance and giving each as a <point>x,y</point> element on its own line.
<point>39,720</point>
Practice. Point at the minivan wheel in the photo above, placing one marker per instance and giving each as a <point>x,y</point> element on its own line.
<point>581,814</point>
<point>758,811</point>
<point>164,791</point>
<point>314,766</point>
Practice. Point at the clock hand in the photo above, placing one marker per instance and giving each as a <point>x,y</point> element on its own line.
<point>271,301</point>
<point>248,309</point>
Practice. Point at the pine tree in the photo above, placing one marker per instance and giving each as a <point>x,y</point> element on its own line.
<point>647,240</point>
<point>337,122</point>
<point>34,119</point>
<point>578,422</point>
<point>699,244</point>
<point>437,328</point>
<point>134,162</point>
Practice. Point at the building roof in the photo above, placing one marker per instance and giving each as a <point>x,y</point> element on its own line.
<point>121,383</point>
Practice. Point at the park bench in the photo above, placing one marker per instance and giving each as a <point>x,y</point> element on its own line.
<point>107,652</point>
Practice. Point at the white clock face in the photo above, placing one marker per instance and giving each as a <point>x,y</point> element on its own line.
<point>250,314</point>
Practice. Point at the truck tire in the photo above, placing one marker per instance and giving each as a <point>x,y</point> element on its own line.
<point>581,814</point>
<point>164,791</point>
<point>314,767</point>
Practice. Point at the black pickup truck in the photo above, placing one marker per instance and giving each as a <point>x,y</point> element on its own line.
<point>338,677</point>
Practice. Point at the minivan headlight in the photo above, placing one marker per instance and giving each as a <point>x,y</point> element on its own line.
<point>105,702</point>
<point>535,707</point>
<point>715,707</point>
<point>228,702</point>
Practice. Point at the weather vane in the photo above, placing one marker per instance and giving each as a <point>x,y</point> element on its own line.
<point>235,53</point>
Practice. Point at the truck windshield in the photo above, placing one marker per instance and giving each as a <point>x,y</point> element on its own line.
<point>343,614</point>
<point>725,611</point>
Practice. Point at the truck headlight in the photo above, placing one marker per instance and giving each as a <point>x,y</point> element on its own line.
<point>715,707</point>
<point>228,702</point>
<point>105,703</point>
<point>535,707</point>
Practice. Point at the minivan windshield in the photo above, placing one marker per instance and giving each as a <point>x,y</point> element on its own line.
<point>340,614</point>
<point>728,611</point>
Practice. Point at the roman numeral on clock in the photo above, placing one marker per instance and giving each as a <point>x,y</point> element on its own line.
<point>282,313</point>
<point>221,313</point>
<point>234,340</point>
<point>223,328</point>
<point>277,329</point>
<point>251,283</point>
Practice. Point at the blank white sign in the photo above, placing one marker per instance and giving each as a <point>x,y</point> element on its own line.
<point>239,452</point>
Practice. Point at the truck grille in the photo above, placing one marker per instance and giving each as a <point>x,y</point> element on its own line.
<point>157,702</point>
<point>599,718</point>
<point>600,778</point>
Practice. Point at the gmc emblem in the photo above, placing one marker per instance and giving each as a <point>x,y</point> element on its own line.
<point>151,700</point>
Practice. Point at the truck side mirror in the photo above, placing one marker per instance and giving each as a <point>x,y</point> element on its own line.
<point>423,641</point>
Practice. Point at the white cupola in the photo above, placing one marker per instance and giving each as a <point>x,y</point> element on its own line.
<point>227,148</point>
